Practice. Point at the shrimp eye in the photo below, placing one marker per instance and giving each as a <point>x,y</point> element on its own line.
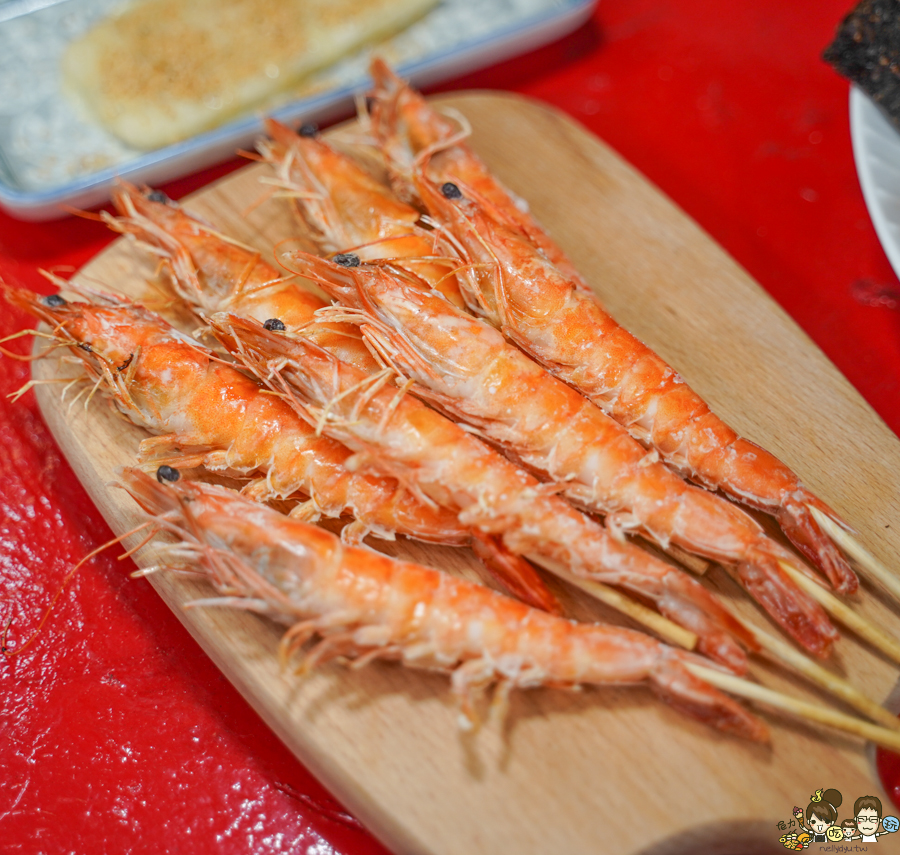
<point>167,473</point>
<point>54,300</point>
<point>86,346</point>
<point>308,129</point>
<point>274,324</point>
<point>451,191</point>
<point>158,196</point>
<point>346,259</point>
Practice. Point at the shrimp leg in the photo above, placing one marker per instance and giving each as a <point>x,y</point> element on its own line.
<point>404,438</point>
<point>366,605</point>
<point>465,367</point>
<point>565,329</point>
<point>205,413</point>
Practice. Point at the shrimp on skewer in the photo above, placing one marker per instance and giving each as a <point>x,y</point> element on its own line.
<point>541,304</point>
<point>402,437</point>
<point>365,606</point>
<point>210,272</point>
<point>346,209</point>
<point>466,368</point>
<point>409,130</point>
<point>206,413</point>
<point>537,307</point>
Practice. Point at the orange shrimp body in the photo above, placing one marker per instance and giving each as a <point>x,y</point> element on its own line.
<point>365,605</point>
<point>409,130</point>
<point>213,274</point>
<point>347,209</point>
<point>210,414</point>
<point>209,271</point>
<point>426,451</point>
<point>343,204</point>
<point>542,311</point>
<point>466,368</point>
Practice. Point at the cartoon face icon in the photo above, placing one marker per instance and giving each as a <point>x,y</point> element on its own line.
<point>867,820</point>
<point>818,825</point>
<point>834,834</point>
<point>848,833</point>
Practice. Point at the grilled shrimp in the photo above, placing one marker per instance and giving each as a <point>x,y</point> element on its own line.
<point>365,606</point>
<point>346,209</point>
<point>213,274</point>
<point>409,130</point>
<point>540,309</point>
<point>209,272</point>
<point>465,367</point>
<point>539,302</point>
<point>429,453</point>
<point>208,413</point>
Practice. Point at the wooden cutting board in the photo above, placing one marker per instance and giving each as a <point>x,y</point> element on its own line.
<point>601,771</point>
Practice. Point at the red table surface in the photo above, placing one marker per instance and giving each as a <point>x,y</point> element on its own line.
<point>116,733</point>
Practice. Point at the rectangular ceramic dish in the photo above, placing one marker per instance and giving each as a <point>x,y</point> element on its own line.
<point>52,155</point>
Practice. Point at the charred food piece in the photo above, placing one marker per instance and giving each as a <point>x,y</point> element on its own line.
<point>866,50</point>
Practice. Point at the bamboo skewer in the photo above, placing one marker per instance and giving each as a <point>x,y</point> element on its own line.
<point>839,687</point>
<point>668,630</point>
<point>801,709</point>
<point>697,565</point>
<point>844,614</point>
<point>855,550</point>
<point>777,649</point>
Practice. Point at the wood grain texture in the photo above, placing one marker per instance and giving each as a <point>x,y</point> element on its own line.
<point>601,771</point>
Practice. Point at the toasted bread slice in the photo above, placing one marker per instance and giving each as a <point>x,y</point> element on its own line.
<point>164,70</point>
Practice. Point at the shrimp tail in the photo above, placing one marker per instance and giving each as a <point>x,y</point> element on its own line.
<point>365,605</point>
<point>674,684</point>
<point>796,612</point>
<point>798,524</point>
<point>720,635</point>
<point>514,573</point>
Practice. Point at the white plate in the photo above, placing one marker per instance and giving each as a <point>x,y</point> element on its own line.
<point>876,149</point>
<point>50,155</point>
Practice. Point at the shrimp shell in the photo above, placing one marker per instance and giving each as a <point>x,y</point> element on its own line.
<point>540,303</point>
<point>466,368</point>
<point>347,210</point>
<point>209,271</point>
<point>212,274</point>
<point>409,131</point>
<point>364,605</point>
<point>565,329</point>
<point>210,414</point>
<point>402,437</point>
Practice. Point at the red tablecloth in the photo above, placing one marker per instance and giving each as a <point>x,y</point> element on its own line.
<point>116,733</point>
